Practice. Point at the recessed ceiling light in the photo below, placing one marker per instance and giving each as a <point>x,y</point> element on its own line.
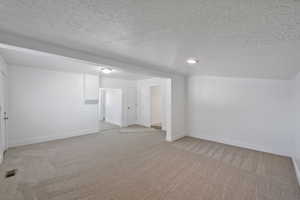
<point>106,70</point>
<point>192,61</point>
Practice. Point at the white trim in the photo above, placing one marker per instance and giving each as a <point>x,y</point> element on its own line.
<point>50,138</point>
<point>239,144</point>
<point>297,170</point>
<point>1,157</point>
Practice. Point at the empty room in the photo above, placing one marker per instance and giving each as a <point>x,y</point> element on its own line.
<point>149,100</point>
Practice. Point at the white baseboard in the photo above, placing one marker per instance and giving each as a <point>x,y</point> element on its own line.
<point>111,122</point>
<point>26,141</point>
<point>297,170</point>
<point>240,144</point>
<point>175,137</point>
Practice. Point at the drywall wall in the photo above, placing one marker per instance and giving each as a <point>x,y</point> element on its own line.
<point>117,83</point>
<point>253,113</point>
<point>155,105</point>
<point>46,105</point>
<point>296,121</point>
<point>91,87</point>
<point>125,86</point>
<point>113,106</point>
<point>177,113</point>
<point>3,65</point>
<point>3,106</point>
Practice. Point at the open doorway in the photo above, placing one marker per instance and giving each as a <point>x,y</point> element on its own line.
<point>156,102</point>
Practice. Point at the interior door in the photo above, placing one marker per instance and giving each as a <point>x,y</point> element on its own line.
<point>113,106</point>
<point>3,113</point>
<point>131,106</point>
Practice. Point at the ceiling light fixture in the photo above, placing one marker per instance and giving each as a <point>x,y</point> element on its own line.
<point>192,61</point>
<point>106,70</point>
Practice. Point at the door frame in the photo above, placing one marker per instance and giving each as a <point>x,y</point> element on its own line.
<point>4,108</point>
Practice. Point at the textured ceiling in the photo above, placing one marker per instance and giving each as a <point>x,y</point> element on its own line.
<point>249,38</point>
<point>28,58</point>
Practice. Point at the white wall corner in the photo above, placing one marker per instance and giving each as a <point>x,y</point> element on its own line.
<point>297,170</point>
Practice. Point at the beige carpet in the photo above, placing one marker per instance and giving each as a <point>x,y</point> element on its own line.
<point>140,129</point>
<point>114,166</point>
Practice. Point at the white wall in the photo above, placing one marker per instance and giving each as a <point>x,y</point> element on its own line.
<point>45,105</point>
<point>3,65</point>
<point>177,114</point>
<point>3,104</point>
<point>253,113</point>
<point>117,83</point>
<point>296,121</point>
<point>155,105</point>
<point>91,87</point>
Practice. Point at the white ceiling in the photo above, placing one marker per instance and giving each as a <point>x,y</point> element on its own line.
<point>29,58</point>
<point>249,38</point>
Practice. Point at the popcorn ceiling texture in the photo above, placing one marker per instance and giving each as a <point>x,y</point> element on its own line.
<point>249,38</point>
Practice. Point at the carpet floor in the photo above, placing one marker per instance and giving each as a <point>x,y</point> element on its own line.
<point>142,166</point>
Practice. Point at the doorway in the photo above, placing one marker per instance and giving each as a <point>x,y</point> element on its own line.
<point>3,114</point>
<point>156,105</point>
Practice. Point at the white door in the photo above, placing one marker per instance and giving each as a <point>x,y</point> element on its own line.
<point>3,113</point>
<point>131,106</point>
<point>113,106</point>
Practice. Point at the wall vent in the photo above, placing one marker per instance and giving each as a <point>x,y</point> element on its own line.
<point>11,173</point>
